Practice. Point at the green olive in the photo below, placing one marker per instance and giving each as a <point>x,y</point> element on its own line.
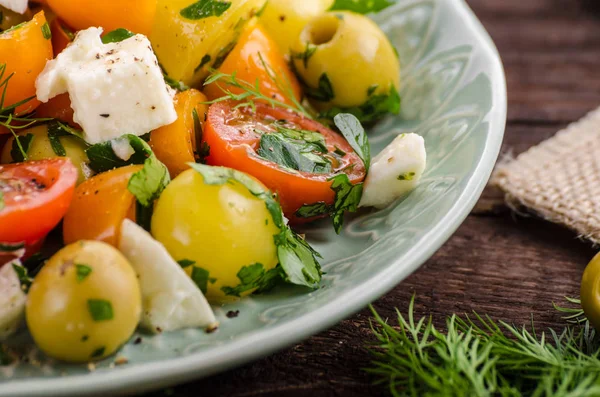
<point>590,291</point>
<point>285,19</point>
<point>41,148</point>
<point>85,303</point>
<point>347,62</point>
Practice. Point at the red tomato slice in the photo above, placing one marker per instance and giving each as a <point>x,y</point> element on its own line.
<point>234,136</point>
<point>36,195</point>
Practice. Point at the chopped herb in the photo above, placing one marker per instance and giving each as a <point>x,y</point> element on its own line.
<point>103,158</point>
<point>373,109</point>
<point>254,277</point>
<point>232,313</point>
<point>178,85</point>
<point>55,131</point>
<point>306,54</point>
<point>117,35</point>
<point>356,136</point>
<point>20,148</point>
<point>13,28</point>
<point>407,176</point>
<point>324,93</point>
<point>100,309</point>
<point>339,152</point>
<point>371,89</point>
<point>99,352</point>
<point>202,147</point>
<point>291,155</point>
<point>220,58</point>
<point>205,60</point>
<point>67,31</point>
<point>205,8</point>
<point>312,210</point>
<point>201,278</point>
<point>186,263</point>
<point>360,6</point>
<point>84,338</point>
<point>82,272</point>
<point>46,31</point>
<point>148,183</point>
<point>296,258</point>
<point>23,276</point>
<point>11,247</point>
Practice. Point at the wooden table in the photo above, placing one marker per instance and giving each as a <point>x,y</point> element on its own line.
<point>496,263</point>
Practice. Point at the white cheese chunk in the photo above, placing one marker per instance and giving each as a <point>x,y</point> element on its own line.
<point>170,299</point>
<point>18,6</point>
<point>395,171</point>
<point>115,88</point>
<point>12,300</point>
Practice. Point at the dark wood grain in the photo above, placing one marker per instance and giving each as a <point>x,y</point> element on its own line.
<point>497,263</point>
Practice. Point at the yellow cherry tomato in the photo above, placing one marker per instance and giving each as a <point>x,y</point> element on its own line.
<point>84,303</point>
<point>188,43</point>
<point>285,19</point>
<point>135,15</point>
<point>345,60</point>
<point>221,228</point>
<point>41,148</point>
<point>174,144</point>
<point>590,291</point>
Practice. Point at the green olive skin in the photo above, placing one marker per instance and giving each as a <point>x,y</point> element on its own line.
<point>352,52</point>
<point>590,291</point>
<point>42,149</point>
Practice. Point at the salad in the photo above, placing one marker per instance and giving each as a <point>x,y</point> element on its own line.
<point>157,156</point>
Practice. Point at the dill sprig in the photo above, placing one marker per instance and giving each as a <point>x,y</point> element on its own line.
<point>251,92</point>
<point>477,356</point>
<point>7,114</point>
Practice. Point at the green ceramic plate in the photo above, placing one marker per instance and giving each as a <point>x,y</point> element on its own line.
<point>454,95</point>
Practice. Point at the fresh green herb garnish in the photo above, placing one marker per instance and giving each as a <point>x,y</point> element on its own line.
<point>476,356</point>
<point>361,6</point>
<point>204,61</point>
<point>20,148</point>
<point>13,28</point>
<point>254,277</point>
<point>171,82</point>
<point>23,276</point>
<point>55,131</point>
<point>373,109</point>
<point>223,52</point>
<point>203,149</point>
<point>99,352</point>
<point>356,136</point>
<point>204,9</point>
<point>68,32</point>
<point>100,309</point>
<point>186,263</point>
<point>407,176</point>
<point>82,272</point>
<point>297,259</point>
<point>147,185</point>
<point>201,278</point>
<point>103,158</point>
<point>324,92</point>
<point>117,35</point>
<point>339,152</point>
<point>10,247</point>
<point>46,32</point>
<point>306,54</point>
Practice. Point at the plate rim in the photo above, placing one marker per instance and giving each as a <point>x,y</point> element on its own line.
<point>153,375</point>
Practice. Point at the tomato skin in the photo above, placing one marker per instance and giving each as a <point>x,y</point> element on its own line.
<point>26,65</point>
<point>246,61</point>
<point>60,38</point>
<point>29,217</point>
<point>99,206</point>
<point>59,108</point>
<point>135,15</point>
<point>229,148</point>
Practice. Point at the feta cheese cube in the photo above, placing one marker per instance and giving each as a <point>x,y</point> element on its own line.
<point>115,88</point>
<point>18,6</point>
<point>395,171</point>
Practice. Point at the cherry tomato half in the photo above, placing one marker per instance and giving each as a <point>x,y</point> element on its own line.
<point>36,195</point>
<point>235,135</point>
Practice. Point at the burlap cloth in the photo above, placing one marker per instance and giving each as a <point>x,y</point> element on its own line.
<point>559,179</point>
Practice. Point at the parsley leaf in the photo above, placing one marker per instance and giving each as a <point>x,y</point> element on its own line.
<point>99,352</point>
<point>290,154</point>
<point>407,176</point>
<point>205,60</point>
<point>297,259</point>
<point>55,131</point>
<point>82,272</point>
<point>100,309</point>
<point>323,93</point>
<point>304,55</point>
<point>373,109</point>
<point>254,277</point>
<point>11,247</point>
<point>20,148</point>
<point>23,276</point>
<point>201,278</point>
<point>46,32</point>
<point>347,198</point>
<point>117,35</point>
<point>186,263</point>
<point>361,6</point>
<point>103,158</point>
<point>148,183</point>
<point>356,136</point>
<point>203,149</point>
<point>204,9</point>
